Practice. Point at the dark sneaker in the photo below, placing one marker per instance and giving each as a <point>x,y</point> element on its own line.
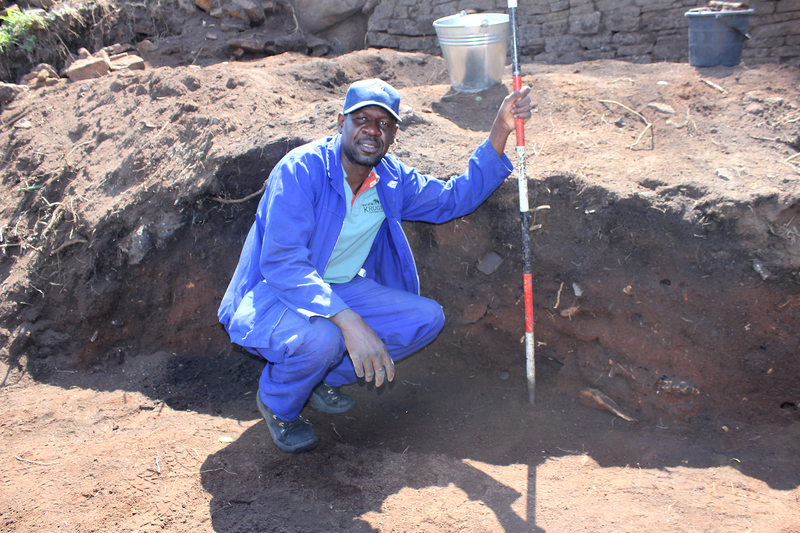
<point>330,399</point>
<point>294,436</point>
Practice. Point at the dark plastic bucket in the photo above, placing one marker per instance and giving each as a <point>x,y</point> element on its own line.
<point>716,38</point>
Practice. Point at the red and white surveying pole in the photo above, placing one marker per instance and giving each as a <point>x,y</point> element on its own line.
<point>522,177</point>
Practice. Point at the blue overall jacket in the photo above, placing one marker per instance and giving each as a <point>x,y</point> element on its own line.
<point>299,219</point>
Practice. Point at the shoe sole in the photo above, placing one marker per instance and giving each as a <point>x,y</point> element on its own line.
<point>297,448</point>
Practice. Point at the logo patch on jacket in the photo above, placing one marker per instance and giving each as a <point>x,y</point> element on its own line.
<point>373,207</point>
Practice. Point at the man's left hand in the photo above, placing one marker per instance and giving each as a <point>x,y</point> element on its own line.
<point>516,105</point>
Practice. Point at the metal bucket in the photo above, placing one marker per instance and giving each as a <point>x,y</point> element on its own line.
<point>474,47</point>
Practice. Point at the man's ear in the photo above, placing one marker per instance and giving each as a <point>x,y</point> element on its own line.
<point>341,122</point>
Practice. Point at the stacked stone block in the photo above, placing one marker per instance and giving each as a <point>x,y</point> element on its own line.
<point>567,31</point>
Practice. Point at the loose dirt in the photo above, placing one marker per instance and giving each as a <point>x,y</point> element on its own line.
<point>666,260</point>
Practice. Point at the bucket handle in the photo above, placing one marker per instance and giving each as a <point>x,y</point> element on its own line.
<point>720,17</point>
<point>484,22</point>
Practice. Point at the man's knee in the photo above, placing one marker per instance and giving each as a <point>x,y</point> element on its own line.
<point>324,340</point>
<point>433,314</point>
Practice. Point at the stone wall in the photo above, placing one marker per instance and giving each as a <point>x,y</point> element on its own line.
<point>566,31</point>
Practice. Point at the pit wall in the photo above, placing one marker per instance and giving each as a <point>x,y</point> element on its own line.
<point>627,300</point>
<point>567,31</point>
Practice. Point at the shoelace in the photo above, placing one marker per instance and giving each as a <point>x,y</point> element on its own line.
<point>332,392</point>
<point>286,426</point>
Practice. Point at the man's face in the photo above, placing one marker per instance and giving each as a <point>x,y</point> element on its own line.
<point>367,134</point>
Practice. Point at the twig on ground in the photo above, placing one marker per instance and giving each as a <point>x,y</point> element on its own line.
<point>75,147</point>
<point>647,124</point>
<point>239,200</point>
<point>641,134</point>
<point>13,118</point>
<point>68,243</point>
<point>33,462</point>
<point>690,119</point>
<point>55,218</point>
<point>714,86</point>
<point>626,108</point>
<point>197,55</point>
<point>558,296</point>
<point>161,130</point>
<point>759,138</point>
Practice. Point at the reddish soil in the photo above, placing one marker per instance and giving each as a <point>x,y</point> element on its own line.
<point>666,277</point>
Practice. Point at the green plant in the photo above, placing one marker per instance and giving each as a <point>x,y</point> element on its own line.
<point>18,28</point>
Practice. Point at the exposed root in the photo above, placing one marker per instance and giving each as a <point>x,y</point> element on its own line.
<point>240,200</point>
<point>648,125</point>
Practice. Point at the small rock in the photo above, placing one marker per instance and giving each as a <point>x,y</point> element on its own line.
<point>569,312</point>
<point>754,108</point>
<point>234,25</point>
<point>147,46</point>
<point>84,69</point>
<point>662,108</point>
<point>473,313</point>
<point>254,42</point>
<point>119,48</point>
<point>136,245</point>
<point>23,124</point>
<point>229,9</point>
<point>166,226</point>
<point>36,72</point>
<point>490,263</point>
<point>620,122</point>
<point>187,6</point>
<point>127,62</point>
<point>504,375</point>
<point>253,10</point>
<point>577,290</point>
<point>10,91</point>
<point>759,267</point>
<point>724,173</point>
<point>144,28</point>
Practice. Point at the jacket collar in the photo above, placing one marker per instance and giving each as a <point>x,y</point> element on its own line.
<point>333,161</point>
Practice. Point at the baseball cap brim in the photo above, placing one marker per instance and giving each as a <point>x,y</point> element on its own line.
<point>359,105</point>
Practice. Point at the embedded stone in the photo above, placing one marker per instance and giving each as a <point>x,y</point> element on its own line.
<point>85,69</point>
<point>127,62</point>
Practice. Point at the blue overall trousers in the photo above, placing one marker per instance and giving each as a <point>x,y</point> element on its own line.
<point>313,351</point>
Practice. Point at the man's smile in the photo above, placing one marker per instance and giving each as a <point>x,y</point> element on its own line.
<point>369,144</point>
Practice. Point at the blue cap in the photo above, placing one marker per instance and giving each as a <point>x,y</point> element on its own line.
<point>372,92</point>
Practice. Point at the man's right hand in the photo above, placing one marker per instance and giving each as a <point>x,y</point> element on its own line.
<point>367,351</point>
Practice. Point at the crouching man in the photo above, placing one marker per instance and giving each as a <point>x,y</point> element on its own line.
<point>326,288</point>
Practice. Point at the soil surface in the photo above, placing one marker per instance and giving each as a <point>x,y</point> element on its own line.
<point>667,251</point>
